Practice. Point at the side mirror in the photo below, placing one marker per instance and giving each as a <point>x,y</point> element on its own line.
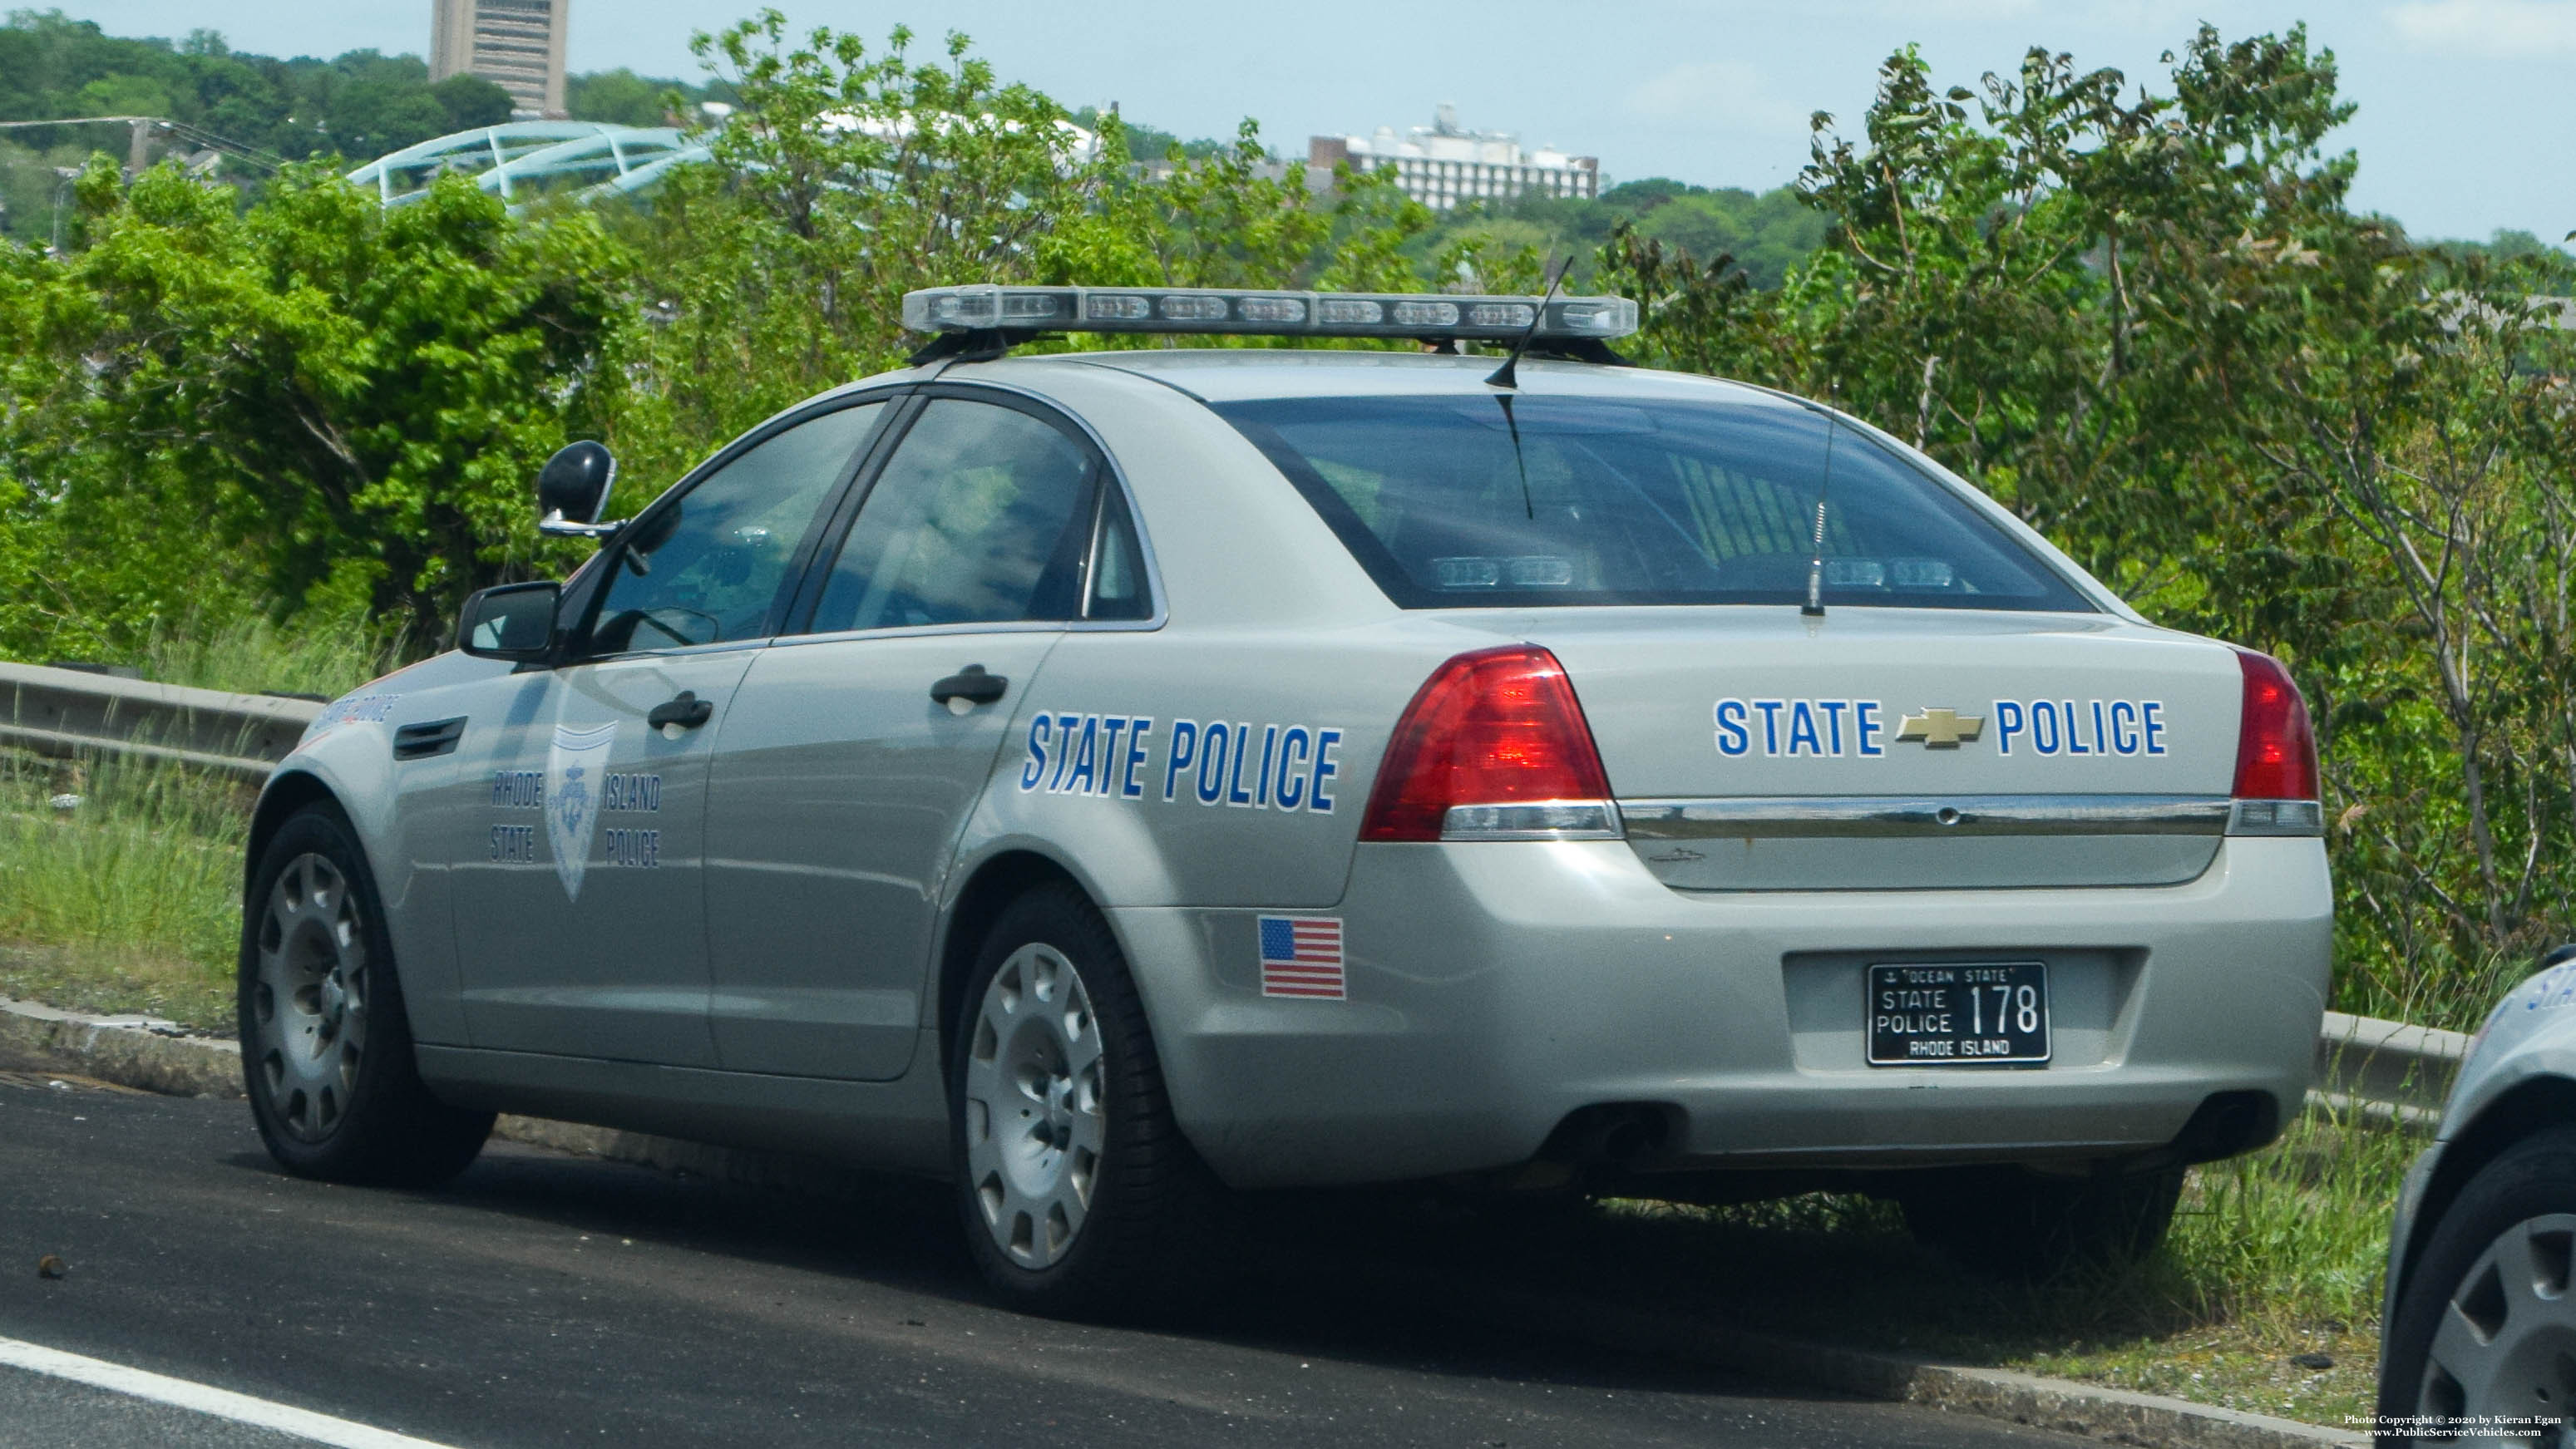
<point>572,490</point>
<point>509,621</point>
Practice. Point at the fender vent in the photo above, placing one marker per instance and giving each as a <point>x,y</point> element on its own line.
<point>430,738</point>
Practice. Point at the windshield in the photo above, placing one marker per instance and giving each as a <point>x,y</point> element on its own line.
<point>1512,501</point>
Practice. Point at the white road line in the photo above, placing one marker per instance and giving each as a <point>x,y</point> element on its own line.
<point>220,1403</point>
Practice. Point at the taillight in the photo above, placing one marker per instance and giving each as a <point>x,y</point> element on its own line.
<point>1493,747</point>
<point>2276,755</point>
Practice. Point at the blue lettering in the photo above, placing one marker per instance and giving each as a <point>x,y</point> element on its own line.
<point>1064,724</point>
<point>1040,729</point>
<point>1212,752</point>
<point>1295,748</point>
<point>2155,709</point>
<point>1129,787</point>
<point>1770,709</point>
<point>2043,727</point>
<point>1731,738</point>
<point>1802,726</point>
<point>1235,794</point>
<point>1833,709</point>
<point>2099,746</point>
<point>1269,743</point>
<point>1185,748</point>
<point>2074,729</point>
<point>2124,727</point>
<point>2007,723</point>
<point>1871,727</point>
<point>1111,728</point>
<point>1086,759</point>
<point>1326,767</point>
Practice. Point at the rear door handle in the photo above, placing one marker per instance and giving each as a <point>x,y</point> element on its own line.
<point>687,711</point>
<point>971,684</point>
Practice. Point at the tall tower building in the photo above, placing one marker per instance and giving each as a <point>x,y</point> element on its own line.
<point>517,45</point>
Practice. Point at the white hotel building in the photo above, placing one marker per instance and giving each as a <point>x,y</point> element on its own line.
<point>1443,164</point>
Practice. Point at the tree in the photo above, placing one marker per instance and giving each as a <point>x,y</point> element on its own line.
<point>317,402</point>
<point>469,101</point>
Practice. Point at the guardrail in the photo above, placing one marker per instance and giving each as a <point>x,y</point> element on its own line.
<point>2386,1069</point>
<point>64,712</point>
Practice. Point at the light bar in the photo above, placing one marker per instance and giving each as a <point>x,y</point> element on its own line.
<point>989,308</point>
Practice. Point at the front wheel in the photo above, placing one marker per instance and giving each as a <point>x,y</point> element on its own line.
<point>2486,1324</point>
<point>1078,1192</point>
<point>326,1047</point>
<point>2014,1222</point>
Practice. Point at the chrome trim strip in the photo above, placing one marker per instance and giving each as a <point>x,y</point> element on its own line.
<point>1811,816</point>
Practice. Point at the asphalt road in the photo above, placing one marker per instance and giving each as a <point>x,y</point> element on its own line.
<point>546,1299</point>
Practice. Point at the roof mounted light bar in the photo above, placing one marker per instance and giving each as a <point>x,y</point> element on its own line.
<point>985,319</point>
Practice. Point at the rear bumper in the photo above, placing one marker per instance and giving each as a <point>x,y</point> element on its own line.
<point>1495,989</point>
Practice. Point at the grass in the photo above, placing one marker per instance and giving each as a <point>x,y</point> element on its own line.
<point>250,655</point>
<point>129,901</point>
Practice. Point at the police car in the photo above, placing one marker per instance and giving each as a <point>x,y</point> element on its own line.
<point>2481,1329</point>
<point>1112,780</point>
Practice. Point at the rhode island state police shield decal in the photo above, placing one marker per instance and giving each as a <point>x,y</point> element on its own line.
<point>573,767</point>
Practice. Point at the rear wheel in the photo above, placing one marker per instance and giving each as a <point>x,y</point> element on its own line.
<point>1078,1192</point>
<point>2486,1324</point>
<point>326,1047</point>
<point>2016,1222</point>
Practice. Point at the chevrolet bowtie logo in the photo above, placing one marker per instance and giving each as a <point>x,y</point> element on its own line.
<point>1941,729</point>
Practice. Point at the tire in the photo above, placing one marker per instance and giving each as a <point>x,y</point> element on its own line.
<point>326,1046</point>
<point>2486,1322</point>
<point>2015,1223</point>
<point>1078,1194</point>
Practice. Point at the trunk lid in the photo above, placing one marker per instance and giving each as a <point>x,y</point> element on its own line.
<point>1883,748</point>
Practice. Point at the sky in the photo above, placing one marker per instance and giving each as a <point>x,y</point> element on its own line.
<point>2467,119</point>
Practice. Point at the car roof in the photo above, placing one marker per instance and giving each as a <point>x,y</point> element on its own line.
<point>1244,374</point>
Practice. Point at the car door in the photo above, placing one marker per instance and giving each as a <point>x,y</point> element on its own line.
<point>580,900</point>
<point>862,743</point>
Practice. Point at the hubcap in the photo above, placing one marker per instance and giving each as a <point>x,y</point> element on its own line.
<point>2506,1347</point>
<point>308,1001</point>
<point>1033,1106</point>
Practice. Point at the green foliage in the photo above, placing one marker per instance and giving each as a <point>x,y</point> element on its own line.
<point>1766,234</point>
<point>317,404</point>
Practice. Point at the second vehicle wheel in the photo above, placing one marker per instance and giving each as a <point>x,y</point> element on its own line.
<point>1079,1194</point>
<point>2018,1223</point>
<point>326,1047</point>
<point>2486,1323</point>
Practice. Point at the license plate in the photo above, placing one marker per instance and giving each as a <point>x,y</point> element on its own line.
<point>1945,1013</point>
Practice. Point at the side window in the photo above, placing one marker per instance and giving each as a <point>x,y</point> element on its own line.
<point>1118,587</point>
<point>710,566</point>
<point>982,516</point>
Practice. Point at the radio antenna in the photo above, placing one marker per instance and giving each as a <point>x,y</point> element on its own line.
<point>1814,608</point>
<point>1508,375</point>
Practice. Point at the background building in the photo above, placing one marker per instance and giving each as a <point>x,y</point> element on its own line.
<point>1443,164</point>
<point>517,45</point>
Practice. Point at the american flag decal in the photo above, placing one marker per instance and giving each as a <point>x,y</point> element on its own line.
<point>1302,956</point>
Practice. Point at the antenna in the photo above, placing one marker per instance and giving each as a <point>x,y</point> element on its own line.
<point>1508,375</point>
<point>1814,608</point>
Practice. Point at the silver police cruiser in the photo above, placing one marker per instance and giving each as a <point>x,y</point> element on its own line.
<point>1108,780</point>
<point>2481,1327</point>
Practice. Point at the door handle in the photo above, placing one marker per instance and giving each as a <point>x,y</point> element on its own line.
<point>687,711</point>
<point>971,684</point>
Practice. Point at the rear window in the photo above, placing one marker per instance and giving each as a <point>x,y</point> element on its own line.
<point>1516,501</point>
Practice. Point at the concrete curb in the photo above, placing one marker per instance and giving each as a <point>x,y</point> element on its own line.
<point>153,1055</point>
<point>131,1051</point>
<point>2113,1415</point>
